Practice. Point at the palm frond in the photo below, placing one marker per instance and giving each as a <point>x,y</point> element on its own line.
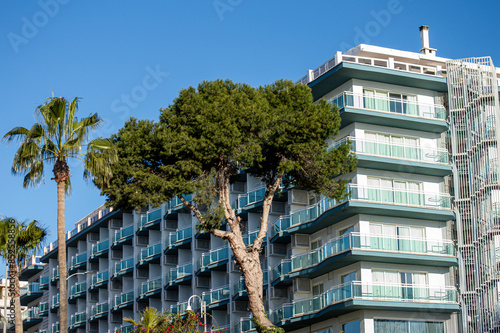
<point>101,154</point>
<point>17,133</point>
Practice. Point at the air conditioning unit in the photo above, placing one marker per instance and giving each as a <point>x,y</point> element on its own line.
<point>300,240</point>
<point>170,224</point>
<point>202,244</point>
<point>171,295</point>
<point>278,293</point>
<point>116,254</point>
<point>238,187</point>
<point>94,297</point>
<point>93,237</point>
<point>115,224</point>
<point>297,197</point>
<point>277,249</point>
<point>278,207</point>
<point>170,259</point>
<point>142,240</point>
<point>142,273</point>
<point>301,285</point>
<point>239,306</point>
<point>117,317</point>
<point>202,282</point>
<point>94,266</point>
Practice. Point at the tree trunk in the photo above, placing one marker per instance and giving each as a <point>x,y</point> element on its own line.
<point>63,271</point>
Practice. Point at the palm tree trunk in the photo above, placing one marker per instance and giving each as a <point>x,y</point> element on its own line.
<point>16,295</point>
<point>63,272</point>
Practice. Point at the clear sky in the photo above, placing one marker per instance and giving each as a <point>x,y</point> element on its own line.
<point>130,58</point>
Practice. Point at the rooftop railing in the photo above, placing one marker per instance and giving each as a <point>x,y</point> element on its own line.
<point>389,105</point>
<point>373,242</point>
<point>406,293</point>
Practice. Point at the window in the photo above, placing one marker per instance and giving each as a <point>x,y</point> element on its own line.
<point>352,327</point>
<point>317,289</point>
<point>408,326</point>
<point>346,231</point>
<point>390,102</point>
<point>316,244</point>
<point>394,191</point>
<point>399,285</point>
<point>397,238</point>
<point>347,289</point>
<point>391,145</point>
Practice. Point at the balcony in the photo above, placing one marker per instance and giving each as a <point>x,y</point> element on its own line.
<point>390,156</point>
<point>78,261</point>
<point>179,275</point>
<point>175,206</point>
<point>55,328</point>
<point>239,204</point>
<point>150,288</point>
<point>374,201</point>
<point>280,274</point>
<point>99,250</point>
<point>353,247</point>
<point>179,309</point>
<point>43,309</point>
<point>394,112</point>
<point>55,276</point>
<point>55,303</point>
<point>123,301</point>
<point>279,233</point>
<point>359,295</point>
<point>245,324</point>
<point>217,299</point>
<point>44,282</point>
<point>78,320</point>
<point>239,288</point>
<point>31,317</point>
<point>30,293</point>
<point>179,239</point>
<point>251,236</point>
<point>150,255</point>
<point>215,260</point>
<point>31,266</point>
<point>99,280</point>
<point>125,329</point>
<point>99,310</point>
<point>123,236</point>
<point>150,221</point>
<point>124,268</point>
<point>79,290</point>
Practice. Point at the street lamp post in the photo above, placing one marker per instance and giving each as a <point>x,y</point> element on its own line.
<point>79,273</point>
<point>203,310</point>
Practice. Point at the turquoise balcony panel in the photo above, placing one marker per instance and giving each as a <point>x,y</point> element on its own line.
<point>123,235</point>
<point>99,311</point>
<point>77,291</point>
<point>175,205</point>
<point>280,273</point>
<point>353,247</point>
<point>43,309</point>
<point>126,329</point>
<point>357,295</point>
<point>279,233</point>
<point>178,239</point>
<point>30,318</point>
<point>151,217</point>
<point>30,267</point>
<point>124,300</point>
<point>78,320</point>
<point>244,325</point>
<point>239,287</point>
<point>374,201</point>
<point>394,112</point>
<point>124,267</point>
<point>44,282</point>
<point>179,275</point>
<point>255,196</point>
<point>55,303</point>
<point>78,261</point>
<point>55,328</point>
<point>99,279</point>
<point>150,288</point>
<point>217,298</point>
<point>55,276</point>
<point>240,203</point>
<point>150,254</point>
<point>214,260</point>
<point>251,236</point>
<point>30,293</point>
<point>99,249</point>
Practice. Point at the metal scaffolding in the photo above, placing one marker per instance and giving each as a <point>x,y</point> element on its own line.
<point>474,134</point>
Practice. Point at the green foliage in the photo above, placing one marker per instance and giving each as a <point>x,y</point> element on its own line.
<point>29,237</point>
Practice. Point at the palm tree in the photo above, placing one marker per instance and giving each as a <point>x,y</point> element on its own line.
<point>18,241</point>
<point>150,320</point>
<point>57,137</point>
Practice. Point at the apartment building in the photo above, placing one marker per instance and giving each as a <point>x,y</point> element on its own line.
<point>415,247</point>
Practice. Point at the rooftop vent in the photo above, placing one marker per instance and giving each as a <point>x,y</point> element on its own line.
<point>424,40</point>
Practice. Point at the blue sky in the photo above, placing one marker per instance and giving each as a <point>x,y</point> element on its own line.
<point>130,58</point>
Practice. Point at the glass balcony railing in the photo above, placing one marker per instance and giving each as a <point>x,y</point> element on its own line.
<point>31,314</point>
<point>124,298</point>
<point>244,325</point>
<point>43,308</point>
<point>216,295</point>
<point>55,328</point>
<point>280,225</point>
<point>55,301</point>
<point>250,237</point>
<point>400,151</point>
<point>55,273</point>
<point>256,195</point>
<point>125,329</point>
<point>240,202</point>
<point>78,289</point>
<point>212,257</point>
<point>239,286</point>
<point>100,247</point>
<point>124,233</point>
<point>99,277</point>
<point>179,272</point>
<point>366,291</point>
<point>44,282</point>
<point>78,259</point>
<point>99,309</point>
<point>150,217</point>
<point>31,261</point>
<point>175,202</point>
<point>353,240</point>
<point>370,101</point>
<point>178,236</point>
<point>149,286</point>
<point>124,265</point>
<point>32,287</point>
<point>78,318</point>
<point>282,269</point>
<point>150,251</point>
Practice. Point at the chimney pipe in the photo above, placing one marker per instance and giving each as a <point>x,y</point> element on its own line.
<point>424,41</point>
